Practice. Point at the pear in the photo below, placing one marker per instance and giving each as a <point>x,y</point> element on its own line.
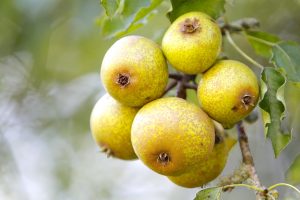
<point>228,92</point>
<point>206,171</point>
<point>192,42</point>
<point>134,71</point>
<point>170,135</point>
<point>110,124</point>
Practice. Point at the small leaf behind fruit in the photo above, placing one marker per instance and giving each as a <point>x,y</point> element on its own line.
<point>110,6</point>
<point>273,109</point>
<point>127,17</point>
<point>214,8</point>
<point>192,96</point>
<point>286,56</point>
<point>262,42</point>
<point>293,173</point>
<point>213,193</point>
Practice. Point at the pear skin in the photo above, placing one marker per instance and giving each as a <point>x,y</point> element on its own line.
<point>228,92</point>
<point>134,71</point>
<point>192,43</point>
<point>208,170</point>
<point>169,135</point>
<point>110,124</point>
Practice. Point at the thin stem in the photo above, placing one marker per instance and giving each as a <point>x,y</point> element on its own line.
<point>170,86</point>
<point>230,40</point>
<point>253,187</point>
<point>272,44</point>
<point>183,83</point>
<point>284,184</point>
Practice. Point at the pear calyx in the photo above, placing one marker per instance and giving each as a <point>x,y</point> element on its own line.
<point>190,25</point>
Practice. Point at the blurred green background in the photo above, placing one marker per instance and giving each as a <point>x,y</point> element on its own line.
<point>50,56</point>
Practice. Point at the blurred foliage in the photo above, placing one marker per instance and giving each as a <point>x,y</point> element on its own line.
<point>50,54</point>
<point>214,8</point>
<point>126,16</point>
<point>293,174</point>
<point>260,40</point>
<point>286,56</point>
<point>283,54</point>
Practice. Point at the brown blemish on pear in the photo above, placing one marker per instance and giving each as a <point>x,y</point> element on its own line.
<point>190,25</point>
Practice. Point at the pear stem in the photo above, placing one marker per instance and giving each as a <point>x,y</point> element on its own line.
<point>182,86</point>
<point>248,160</point>
<point>170,86</point>
<point>175,76</point>
<point>230,40</point>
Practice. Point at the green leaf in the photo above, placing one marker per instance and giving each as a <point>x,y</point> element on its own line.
<point>283,54</point>
<point>110,6</point>
<point>286,55</point>
<point>214,8</point>
<point>293,173</point>
<point>209,194</point>
<point>132,15</point>
<point>192,96</point>
<point>273,109</point>
<point>262,42</point>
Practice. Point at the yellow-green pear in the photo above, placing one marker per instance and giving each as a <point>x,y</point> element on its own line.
<point>170,135</point>
<point>110,124</point>
<point>134,71</point>
<point>208,170</point>
<point>228,92</point>
<point>192,42</point>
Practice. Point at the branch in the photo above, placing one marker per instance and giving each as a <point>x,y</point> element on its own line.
<point>170,86</point>
<point>181,90</point>
<point>184,82</point>
<point>175,76</point>
<point>238,25</point>
<point>248,160</point>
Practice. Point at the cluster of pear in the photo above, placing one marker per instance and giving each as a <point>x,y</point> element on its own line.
<point>170,135</point>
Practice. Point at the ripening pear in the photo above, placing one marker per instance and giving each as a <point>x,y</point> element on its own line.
<point>192,42</point>
<point>228,92</point>
<point>110,124</point>
<point>134,71</point>
<point>170,135</point>
<point>208,170</point>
